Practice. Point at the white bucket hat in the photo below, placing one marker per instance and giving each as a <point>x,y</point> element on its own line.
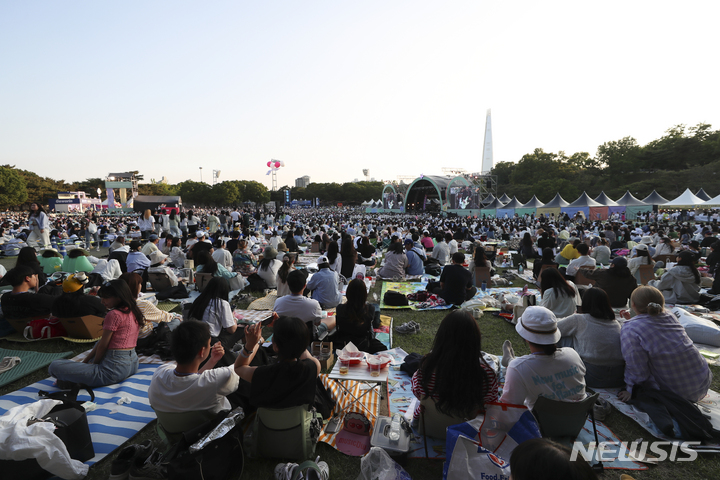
<point>538,325</point>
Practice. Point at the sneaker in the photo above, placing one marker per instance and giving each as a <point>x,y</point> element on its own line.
<point>287,471</point>
<point>601,409</point>
<point>120,468</point>
<point>508,353</point>
<point>408,328</point>
<point>317,470</point>
<point>151,469</point>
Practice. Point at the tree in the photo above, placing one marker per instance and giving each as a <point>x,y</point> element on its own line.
<point>503,170</point>
<point>225,193</point>
<point>13,191</point>
<point>619,156</point>
<point>256,192</point>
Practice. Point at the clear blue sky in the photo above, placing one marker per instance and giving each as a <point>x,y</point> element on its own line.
<point>330,88</point>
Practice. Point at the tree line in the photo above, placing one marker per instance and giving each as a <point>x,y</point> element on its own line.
<point>684,157</point>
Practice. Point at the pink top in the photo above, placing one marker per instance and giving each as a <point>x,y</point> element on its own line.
<point>125,329</point>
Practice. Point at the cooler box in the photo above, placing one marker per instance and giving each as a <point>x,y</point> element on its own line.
<point>398,450</point>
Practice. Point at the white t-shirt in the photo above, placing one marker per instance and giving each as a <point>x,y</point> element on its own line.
<point>304,308</point>
<point>173,393</point>
<point>560,376</point>
<point>270,273</point>
<point>218,315</point>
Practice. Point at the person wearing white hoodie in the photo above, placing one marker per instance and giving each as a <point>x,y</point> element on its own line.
<point>680,284</point>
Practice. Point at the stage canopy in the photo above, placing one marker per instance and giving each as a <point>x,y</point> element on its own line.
<point>687,199</point>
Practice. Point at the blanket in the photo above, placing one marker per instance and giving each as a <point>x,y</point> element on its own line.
<point>710,406</point>
<point>407,288</point>
<point>112,422</point>
<point>29,362</point>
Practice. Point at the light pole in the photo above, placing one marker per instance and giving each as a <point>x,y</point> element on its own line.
<point>200,174</point>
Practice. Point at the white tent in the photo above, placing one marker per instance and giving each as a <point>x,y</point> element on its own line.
<point>713,202</point>
<point>687,199</point>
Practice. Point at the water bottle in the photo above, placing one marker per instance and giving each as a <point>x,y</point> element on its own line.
<point>483,286</point>
<point>394,433</point>
<point>521,269</point>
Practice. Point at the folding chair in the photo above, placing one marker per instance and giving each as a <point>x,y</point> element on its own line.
<point>647,273</point>
<point>434,422</point>
<point>171,425</point>
<point>201,280</point>
<point>562,421</point>
<point>482,274</point>
<point>159,280</point>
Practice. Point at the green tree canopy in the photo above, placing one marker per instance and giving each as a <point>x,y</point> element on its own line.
<point>13,190</point>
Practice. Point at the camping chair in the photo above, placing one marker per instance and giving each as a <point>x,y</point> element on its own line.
<point>315,247</point>
<point>519,258</point>
<point>647,273</point>
<point>284,433</point>
<point>562,421</point>
<point>581,279</point>
<point>170,426</point>
<point>482,274</point>
<point>666,258</point>
<point>160,281</point>
<point>201,280</point>
<point>434,422</point>
<point>545,267</point>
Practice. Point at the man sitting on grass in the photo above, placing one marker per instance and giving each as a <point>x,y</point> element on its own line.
<point>187,387</point>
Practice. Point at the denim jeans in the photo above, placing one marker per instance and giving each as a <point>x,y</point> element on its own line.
<point>115,367</point>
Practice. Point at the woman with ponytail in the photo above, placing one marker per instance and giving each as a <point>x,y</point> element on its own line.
<point>658,353</point>
<point>288,265</point>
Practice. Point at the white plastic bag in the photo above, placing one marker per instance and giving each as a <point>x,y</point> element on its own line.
<point>377,465</point>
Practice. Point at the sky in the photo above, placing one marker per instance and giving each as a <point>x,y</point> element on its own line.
<point>333,87</point>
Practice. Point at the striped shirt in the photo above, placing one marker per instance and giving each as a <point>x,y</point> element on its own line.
<point>420,393</point>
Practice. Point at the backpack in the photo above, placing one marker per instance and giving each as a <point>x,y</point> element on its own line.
<point>395,299</point>
<point>256,283</point>
<point>44,328</point>
<point>433,269</point>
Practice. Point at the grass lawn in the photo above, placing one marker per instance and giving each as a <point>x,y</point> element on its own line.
<point>494,331</point>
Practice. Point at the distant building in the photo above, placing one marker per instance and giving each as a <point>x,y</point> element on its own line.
<point>487,157</point>
<point>302,182</point>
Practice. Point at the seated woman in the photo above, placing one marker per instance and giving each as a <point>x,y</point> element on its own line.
<point>136,260</point>
<point>455,373</point>
<point>616,281</point>
<point>205,263</point>
<point>50,261</point>
<point>642,258</point>
<point>177,256</point>
<point>665,247</point>
<point>366,252</point>
<point>480,259</point>
<point>548,258</point>
<point>27,256</point>
<point>153,315</point>
<point>680,284</point>
<point>269,266</point>
<point>113,358</point>
<point>658,353</point>
<point>356,320</point>
<point>558,295</point>
<point>212,307</point>
<point>568,253</point>
<point>595,336</point>
<point>527,247</point>
<point>350,256</point>
<point>288,265</point>
<point>334,257</point>
<point>395,262</point>
<point>537,374</point>
<point>77,261</point>
<point>244,261</point>
<point>291,381</point>
<point>74,303</point>
<point>601,252</point>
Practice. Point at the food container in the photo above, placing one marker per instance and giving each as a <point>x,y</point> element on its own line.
<point>398,450</point>
<point>351,358</point>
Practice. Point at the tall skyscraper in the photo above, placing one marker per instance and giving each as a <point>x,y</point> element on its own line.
<point>487,158</point>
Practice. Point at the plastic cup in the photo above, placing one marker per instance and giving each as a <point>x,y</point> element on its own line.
<point>375,369</point>
<point>344,367</point>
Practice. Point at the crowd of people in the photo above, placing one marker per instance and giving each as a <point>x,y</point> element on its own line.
<point>615,334</point>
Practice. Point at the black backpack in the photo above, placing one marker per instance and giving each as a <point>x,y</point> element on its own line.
<point>395,299</point>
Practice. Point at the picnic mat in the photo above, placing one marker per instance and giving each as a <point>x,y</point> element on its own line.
<point>371,400</point>
<point>19,338</point>
<point>710,405</point>
<point>111,424</point>
<point>167,306</point>
<point>406,288</point>
<point>29,362</point>
<point>251,316</point>
<point>265,303</point>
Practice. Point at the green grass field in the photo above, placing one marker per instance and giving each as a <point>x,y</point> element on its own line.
<point>494,331</point>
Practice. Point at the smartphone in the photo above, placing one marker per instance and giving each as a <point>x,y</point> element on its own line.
<point>267,321</point>
<point>333,426</point>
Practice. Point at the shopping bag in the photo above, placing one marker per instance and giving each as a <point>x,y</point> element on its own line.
<point>483,445</point>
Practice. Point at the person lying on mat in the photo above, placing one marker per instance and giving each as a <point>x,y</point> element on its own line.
<point>292,380</point>
<point>186,387</point>
<point>454,373</point>
<point>658,353</point>
<point>555,373</point>
<point>113,358</point>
